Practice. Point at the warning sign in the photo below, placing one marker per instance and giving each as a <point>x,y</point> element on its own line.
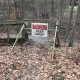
<point>39,29</point>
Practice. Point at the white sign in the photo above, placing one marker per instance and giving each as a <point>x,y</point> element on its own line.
<point>39,29</point>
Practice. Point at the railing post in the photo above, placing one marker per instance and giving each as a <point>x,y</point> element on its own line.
<point>22,28</point>
<point>56,39</point>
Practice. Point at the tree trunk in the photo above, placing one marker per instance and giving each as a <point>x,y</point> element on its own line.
<point>71,40</point>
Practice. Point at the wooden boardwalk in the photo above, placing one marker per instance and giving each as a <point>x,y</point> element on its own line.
<point>4,35</point>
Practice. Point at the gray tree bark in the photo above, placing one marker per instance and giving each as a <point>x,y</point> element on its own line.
<point>71,39</point>
<point>69,26</point>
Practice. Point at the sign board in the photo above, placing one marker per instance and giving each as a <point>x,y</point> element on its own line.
<point>39,29</point>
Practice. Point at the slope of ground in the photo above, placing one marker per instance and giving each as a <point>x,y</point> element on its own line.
<point>34,62</point>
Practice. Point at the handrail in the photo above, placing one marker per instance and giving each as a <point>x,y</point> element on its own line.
<point>11,22</point>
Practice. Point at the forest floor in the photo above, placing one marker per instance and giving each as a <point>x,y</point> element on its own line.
<point>35,62</point>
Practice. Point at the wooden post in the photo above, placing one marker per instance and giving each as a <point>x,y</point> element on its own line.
<point>7,30</point>
<point>23,26</point>
<point>56,39</point>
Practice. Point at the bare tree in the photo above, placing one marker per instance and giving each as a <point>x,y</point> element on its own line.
<point>70,20</point>
<point>73,27</point>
